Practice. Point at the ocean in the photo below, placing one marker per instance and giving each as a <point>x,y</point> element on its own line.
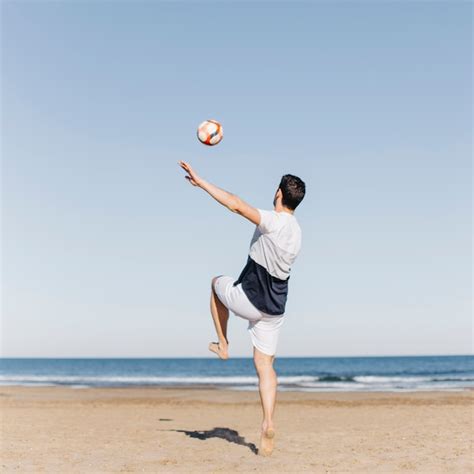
<point>294,373</point>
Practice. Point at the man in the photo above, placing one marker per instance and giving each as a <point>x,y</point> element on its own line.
<point>259,295</point>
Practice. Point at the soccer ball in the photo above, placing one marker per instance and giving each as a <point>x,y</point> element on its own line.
<point>210,132</point>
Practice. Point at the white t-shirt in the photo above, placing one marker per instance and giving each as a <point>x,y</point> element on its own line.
<point>275,245</point>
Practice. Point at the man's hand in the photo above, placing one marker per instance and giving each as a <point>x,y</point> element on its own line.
<point>192,176</point>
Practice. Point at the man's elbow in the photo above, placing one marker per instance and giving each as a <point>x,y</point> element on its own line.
<point>235,204</point>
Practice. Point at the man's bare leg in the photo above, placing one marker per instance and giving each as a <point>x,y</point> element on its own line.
<point>267,385</point>
<point>220,316</point>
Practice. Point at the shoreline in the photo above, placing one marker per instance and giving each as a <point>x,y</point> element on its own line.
<point>209,395</point>
<point>233,388</point>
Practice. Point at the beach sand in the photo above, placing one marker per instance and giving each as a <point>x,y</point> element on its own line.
<point>61,429</point>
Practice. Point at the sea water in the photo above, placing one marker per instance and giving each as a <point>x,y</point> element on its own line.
<point>294,373</point>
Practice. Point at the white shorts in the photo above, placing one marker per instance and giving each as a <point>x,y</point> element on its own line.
<point>264,328</point>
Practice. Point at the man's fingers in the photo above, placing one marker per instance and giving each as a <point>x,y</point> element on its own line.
<point>190,177</point>
<point>186,167</point>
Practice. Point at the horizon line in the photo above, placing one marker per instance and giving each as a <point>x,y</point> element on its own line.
<point>236,357</point>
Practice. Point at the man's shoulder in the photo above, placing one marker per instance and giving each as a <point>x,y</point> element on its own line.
<point>296,223</point>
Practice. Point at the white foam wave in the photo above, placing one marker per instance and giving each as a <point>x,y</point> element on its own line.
<point>82,379</point>
<point>69,379</point>
<point>383,379</point>
<point>304,383</point>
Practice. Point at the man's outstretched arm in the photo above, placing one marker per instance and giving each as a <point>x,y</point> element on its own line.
<point>229,200</point>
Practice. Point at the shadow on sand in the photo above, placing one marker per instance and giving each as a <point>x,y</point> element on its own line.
<point>229,435</point>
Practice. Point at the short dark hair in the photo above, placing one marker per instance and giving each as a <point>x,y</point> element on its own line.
<point>293,190</point>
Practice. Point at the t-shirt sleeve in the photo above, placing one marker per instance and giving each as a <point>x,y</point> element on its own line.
<point>268,221</point>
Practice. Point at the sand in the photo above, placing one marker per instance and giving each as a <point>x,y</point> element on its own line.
<point>61,429</point>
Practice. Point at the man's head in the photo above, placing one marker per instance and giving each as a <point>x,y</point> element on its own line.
<point>290,192</point>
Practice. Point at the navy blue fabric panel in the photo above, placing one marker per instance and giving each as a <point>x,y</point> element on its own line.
<point>265,292</point>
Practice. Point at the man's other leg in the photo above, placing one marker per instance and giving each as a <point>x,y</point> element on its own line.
<point>267,385</point>
<point>220,316</point>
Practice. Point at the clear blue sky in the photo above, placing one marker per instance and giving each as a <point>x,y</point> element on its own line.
<point>108,251</point>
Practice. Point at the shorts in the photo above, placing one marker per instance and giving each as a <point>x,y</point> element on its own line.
<point>264,328</point>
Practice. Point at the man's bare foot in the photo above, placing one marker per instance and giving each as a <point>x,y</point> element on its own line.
<point>266,442</point>
<point>220,349</point>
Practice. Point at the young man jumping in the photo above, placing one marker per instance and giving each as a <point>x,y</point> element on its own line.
<point>259,294</point>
